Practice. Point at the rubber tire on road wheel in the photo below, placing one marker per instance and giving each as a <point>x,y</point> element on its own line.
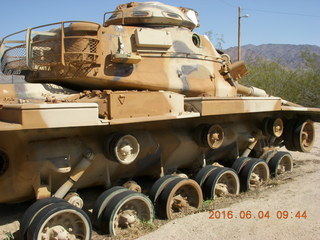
<point>204,173</point>
<point>115,205</point>
<point>32,212</point>
<point>240,162</point>
<point>44,215</point>
<point>209,186</point>
<point>163,202</point>
<point>246,172</point>
<point>158,187</point>
<point>102,202</point>
<point>274,163</point>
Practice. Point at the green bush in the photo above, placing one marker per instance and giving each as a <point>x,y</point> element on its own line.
<point>300,85</point>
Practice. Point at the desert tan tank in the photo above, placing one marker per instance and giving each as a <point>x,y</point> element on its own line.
<point>142,106</point>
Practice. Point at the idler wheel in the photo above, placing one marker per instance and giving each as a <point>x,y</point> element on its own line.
<point>60,221</point>
<point>221,182</point>
<point>280,163</point>
<point>126,210</point>
<point>102,202</point>
<point>122,148</point>
<point>303,136</point>
<point>179,196</point>
<point>253,174</point>
<point>33,211</point>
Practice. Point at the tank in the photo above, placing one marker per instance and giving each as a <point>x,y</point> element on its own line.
<point>142,106</point>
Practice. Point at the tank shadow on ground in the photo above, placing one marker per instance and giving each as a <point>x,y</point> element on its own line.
<point>12,212</point>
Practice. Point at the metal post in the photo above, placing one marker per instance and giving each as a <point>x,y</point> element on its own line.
<point>239,34</point>
<point>63,50</point>
<point>239,31</point>
<point>28,49</point>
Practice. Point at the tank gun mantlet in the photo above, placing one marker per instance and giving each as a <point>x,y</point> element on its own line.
<point>152,14</point>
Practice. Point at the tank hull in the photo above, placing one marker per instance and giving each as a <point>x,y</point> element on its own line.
<point>52,138</point>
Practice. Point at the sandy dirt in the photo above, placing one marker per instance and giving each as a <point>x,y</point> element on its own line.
<point>292,203</point>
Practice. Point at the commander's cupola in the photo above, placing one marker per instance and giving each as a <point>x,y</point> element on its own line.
<point>153,14</point>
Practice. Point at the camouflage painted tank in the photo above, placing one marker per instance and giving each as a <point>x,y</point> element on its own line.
<point>141,105</point>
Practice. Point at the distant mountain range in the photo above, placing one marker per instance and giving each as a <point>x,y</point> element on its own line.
<point>286,54</point>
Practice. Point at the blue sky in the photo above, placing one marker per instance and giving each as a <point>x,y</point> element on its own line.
<point>270,21</point>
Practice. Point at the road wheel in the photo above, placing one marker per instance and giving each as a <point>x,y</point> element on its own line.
<point>126,210</point>
<point>221,182</point>
<point>253,174</point>
<point>240,162</point>
<point>102,202</point>
<point>204,173</point>
<point>61,221</point>
<point>33,211</point>
<point>280,163</point>
<point>303,136</point>
<point>180,196</point>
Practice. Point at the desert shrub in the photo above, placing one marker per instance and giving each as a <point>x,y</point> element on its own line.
<point>300,85</point>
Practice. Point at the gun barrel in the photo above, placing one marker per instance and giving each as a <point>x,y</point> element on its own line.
<point>250,91</point>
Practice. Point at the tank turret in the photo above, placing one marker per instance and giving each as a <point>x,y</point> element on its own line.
<point>142,46</point>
